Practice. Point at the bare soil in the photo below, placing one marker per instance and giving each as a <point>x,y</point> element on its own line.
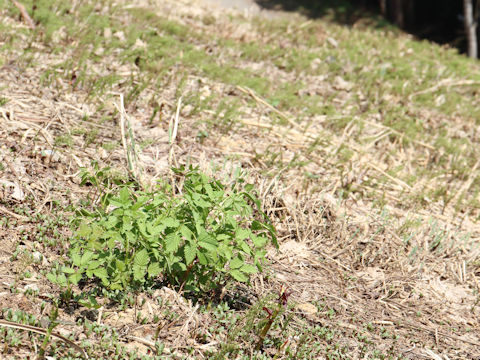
<point>342,253</point>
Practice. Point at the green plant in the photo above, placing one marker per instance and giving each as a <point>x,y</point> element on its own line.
<point>272,316</point>
<point>199,239</point>
<point>53,317</point>
<point>268,320</point>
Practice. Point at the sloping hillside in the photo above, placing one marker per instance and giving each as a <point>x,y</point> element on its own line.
<point>361,143</point>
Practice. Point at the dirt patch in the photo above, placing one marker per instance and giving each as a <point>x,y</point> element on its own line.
<point>343,261</point>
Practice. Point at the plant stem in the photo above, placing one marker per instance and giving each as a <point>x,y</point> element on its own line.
<point>266,328</point>
<point>186,274</point>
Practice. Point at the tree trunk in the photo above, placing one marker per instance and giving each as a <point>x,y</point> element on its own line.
<point>383,7</point>
<point>398,14</point>
<point>470,28</point>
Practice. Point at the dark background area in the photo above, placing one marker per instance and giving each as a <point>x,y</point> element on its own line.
<point>440,21</point>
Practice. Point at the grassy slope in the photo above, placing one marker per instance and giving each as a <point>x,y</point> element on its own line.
<point>368,161</point>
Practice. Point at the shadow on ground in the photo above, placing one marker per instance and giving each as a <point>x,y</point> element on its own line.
<point>438,22</point>
<point>341,11</point>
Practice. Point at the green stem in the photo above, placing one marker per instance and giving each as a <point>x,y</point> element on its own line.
<point>266,328</point>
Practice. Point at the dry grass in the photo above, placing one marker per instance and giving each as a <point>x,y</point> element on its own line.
<point>378,224</point>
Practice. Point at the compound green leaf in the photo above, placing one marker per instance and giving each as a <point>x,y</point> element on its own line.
<point>62,280</point>
<point>127,224</point>
<point>244,246</point>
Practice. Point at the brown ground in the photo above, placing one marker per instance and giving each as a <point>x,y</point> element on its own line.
<point>337,252</point>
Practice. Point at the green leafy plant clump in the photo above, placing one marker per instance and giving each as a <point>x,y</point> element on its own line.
<point>197,239</point>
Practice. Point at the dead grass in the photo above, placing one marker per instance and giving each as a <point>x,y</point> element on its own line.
<point>367,167</point>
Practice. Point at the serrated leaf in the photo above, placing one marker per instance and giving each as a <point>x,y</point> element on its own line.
<point>181,266</point>
<point>200,202</point>
<point>76,258</point>
<point>127,223</point>
<point>202,259</point>
<point>242,234</point>
<point>228,202</point>
<point>115,202</point>
<point>209,191</point>
<point>111,222</point>
<point>154,269</point>
<point>259,241</point>
<point>124,195</point>
<point>84,230</point>
<point>142,227</point>
<point>236,263</point>
<point>139,272</point>
<point>91,303</point>
<point>62,280</point>
<point>141,258</point>
<point>207,242</point>
<point>92,265</point>
<point>116,286</point>
<point>172,242</point>
<point>249,269</point>
<point>225,251</point>
<point>186,232</point>
<point>138,204</point>
<point>190,252</point>
<point>113,237</point>
<point>68,270</point>
<point>237,275</point>
<point>86,257</point>
<point>75,278</point>
<point>52,278</point>
<point>244,246</point>
<point>170,222</point>
<point>223,237</point>
<point>120,265</point>
<point>131,238</point>
<point>155,230</point>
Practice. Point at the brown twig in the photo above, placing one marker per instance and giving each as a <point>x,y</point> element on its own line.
<point>16,216</point>
<point>42,331</point>
<point>25,16</point>
<point>273,108</point>
<point>442,83</point>
<point>189,269</point>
